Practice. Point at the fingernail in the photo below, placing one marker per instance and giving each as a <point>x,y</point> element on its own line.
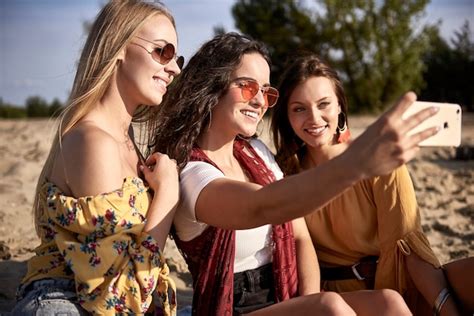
<point>435,109</point>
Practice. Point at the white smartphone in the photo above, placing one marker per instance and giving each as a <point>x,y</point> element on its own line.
<point>448,119</point>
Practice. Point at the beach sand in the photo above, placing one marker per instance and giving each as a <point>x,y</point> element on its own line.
<point>444,188</point>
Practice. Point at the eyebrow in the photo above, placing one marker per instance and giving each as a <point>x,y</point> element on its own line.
<point>317,101</point>
<point>251,79</point>
<point>323,99</point>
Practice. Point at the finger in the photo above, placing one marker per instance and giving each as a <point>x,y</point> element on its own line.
<point>154,159</point>
<point>417,138</point>
<point>417,118</point>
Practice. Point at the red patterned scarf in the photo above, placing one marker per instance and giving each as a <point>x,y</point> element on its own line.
<point>210,256</point>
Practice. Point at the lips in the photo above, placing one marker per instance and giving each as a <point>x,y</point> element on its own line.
<point>316,131</point>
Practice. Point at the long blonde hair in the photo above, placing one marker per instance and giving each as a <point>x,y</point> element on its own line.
<point>114,26</point>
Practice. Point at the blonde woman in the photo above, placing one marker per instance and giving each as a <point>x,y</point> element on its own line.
<point>100,227</point>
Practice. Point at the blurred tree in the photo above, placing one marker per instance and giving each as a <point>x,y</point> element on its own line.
<point>376,46</point>
<point>449,69</point>
<point>11,111</point>
<point>36,107</point>
<point>55,108</point>
<point>284,25</point>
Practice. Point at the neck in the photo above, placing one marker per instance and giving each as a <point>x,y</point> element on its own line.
<point>317,155</point>
<point>114,112</point>
<point>218,146</point>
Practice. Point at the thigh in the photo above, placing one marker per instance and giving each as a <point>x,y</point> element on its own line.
<point>49,297</point>
<point>376,302</point>
<point>326,303</point>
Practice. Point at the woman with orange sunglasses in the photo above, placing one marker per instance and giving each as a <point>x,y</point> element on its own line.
<point>238,223</point>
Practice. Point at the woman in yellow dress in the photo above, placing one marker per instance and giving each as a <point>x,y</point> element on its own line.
<point>102,227</point>
<point>370,236</point>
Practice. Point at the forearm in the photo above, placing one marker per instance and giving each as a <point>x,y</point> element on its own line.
<point>243,205</point>
<point>307,261</point>
<point>298,195</point>
<point>429,281</point>
<point>159,219</point>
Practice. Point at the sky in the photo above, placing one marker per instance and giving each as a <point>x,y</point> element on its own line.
<point>41,40</point>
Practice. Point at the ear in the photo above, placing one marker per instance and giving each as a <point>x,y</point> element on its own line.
<point>121,56</point>
<point>339,107</point>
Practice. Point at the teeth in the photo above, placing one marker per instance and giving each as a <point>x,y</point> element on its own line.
<point>316,130</point>
<point>250,114</point>
<point>161,82</point>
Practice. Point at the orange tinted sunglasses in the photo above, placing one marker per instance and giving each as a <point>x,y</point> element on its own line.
<point>250,88</point>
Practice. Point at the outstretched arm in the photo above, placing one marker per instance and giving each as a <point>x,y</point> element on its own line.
<point>383,147</point>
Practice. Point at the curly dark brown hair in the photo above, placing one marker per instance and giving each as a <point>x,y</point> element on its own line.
<point>187,107</point>
<point>290,149</point>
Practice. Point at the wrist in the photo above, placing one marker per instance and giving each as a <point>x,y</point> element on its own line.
<point>440,301</point>
<point>349,170</point>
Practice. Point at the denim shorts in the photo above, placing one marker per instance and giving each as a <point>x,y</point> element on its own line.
<point>253,289</point>
<point>55,296</point>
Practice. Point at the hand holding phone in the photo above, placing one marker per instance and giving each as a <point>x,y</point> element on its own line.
<point>448,119</point>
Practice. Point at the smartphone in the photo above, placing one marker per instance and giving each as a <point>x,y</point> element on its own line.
<point>448,119</point>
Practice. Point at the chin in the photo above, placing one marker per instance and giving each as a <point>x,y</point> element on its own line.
<point>155,101</point>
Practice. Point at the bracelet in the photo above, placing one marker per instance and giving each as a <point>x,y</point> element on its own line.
<point>440,300</point>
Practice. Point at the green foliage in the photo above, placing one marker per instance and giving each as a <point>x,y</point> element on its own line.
<point>11,111</point>
<point>55,108</point>
<point>35,106</point>
<point>284,25</point>
<point>372,44</point>
<point>449,69</point>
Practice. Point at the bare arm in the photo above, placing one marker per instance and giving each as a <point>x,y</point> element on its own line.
<point>93,166</point>
<point>383,147</point>
<point>163,178</point>
<point>309,277</point>
<point>91,162</point>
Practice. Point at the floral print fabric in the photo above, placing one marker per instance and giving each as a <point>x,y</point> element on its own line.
<point>99,241</point>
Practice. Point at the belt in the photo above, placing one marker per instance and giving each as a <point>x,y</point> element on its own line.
<point>261,276</point>
<point>363,270</point>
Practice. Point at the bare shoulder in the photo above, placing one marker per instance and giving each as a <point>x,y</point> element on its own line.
<point>91,160</point>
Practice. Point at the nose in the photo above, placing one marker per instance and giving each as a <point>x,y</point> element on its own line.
<point>172,67</point>
<point>260,98</point>
<point>314,114</point>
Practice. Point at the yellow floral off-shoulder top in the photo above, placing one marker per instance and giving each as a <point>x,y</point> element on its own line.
<point>99,242</point>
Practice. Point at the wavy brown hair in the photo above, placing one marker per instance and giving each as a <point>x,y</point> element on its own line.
<point>187,106</point>
<point>290,149</point>
<point>112,30</point>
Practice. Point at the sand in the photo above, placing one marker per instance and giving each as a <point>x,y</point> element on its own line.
<point>444,187</point>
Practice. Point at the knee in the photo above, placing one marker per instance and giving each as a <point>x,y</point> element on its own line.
<point>393,303</point>
<point>333,304</point>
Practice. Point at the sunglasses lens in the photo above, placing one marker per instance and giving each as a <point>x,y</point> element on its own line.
<point>271,96</point>
<point>167,53</point>
<point>164,54</point>
<point>249,90</point>
<point>180,62</point>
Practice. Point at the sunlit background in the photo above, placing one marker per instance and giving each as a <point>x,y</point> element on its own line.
<point>40,40</point>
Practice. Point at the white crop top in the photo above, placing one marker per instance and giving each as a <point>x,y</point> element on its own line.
<point>253,246</point>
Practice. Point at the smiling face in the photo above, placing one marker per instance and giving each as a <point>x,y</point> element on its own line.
<point>233,115</point>
<point>313,110</point>
<point>140,77</point>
